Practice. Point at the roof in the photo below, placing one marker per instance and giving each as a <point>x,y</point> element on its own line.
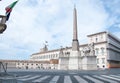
<point>51,51</point>
<point>114,37</point>
<point>25,61</point>
<point>96,33</point>
<point>82,45</point>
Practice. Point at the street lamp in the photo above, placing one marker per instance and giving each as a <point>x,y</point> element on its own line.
<point>3,26</point>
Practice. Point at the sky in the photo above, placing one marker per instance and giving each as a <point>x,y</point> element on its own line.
<point>32,22</point>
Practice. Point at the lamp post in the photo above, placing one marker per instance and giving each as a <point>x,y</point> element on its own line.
<point>7,77</point>
<point>3,26</point>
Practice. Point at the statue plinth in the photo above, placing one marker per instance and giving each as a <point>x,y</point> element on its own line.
<point>89,63</point>
<point>89,58</point>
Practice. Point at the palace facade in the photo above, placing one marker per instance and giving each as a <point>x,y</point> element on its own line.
<point>106,46</point>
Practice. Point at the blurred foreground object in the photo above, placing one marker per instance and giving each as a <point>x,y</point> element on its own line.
<point>3,26</point>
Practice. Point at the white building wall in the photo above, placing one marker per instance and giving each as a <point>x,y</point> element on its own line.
<point>97,39</point>
<point>101,56</point>
<point>100,41</point>
<point>45,56</point>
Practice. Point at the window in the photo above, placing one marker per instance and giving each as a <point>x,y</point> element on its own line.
<point>56,55</point>
<point>53,55</point>
<point>97,61</point>
<point>103,60</point>
<point>101,36</point>
<point>47,56</point>
<point>96,51</point>
<point>91,39</point>
<point>43,56</point>
<point>96,39</point>
<point>102,51</point>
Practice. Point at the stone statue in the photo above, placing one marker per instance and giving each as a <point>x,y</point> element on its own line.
<point>45,48</point>
<point>92,51</point>
<point>61,54</point>
<point>86,51</point>
<point>89,50</point>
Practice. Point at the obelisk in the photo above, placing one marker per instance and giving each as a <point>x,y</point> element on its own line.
<point>74,54</point>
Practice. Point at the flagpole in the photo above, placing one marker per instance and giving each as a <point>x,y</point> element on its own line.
<point>9,9</point>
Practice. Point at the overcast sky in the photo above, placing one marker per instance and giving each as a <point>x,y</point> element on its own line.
<point>32,22</point>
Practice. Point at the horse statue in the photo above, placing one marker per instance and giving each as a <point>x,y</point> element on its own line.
<point>89,50</point>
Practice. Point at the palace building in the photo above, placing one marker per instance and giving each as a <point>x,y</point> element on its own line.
<point>106,47</point>
<point>105,52</point>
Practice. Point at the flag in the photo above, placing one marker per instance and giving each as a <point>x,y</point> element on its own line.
<point>9,9</point>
